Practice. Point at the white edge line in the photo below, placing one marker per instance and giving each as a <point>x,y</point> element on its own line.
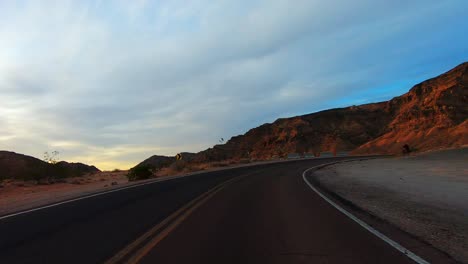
<point>389,241</point>
<point>96,194</point>
<point>136,185</point>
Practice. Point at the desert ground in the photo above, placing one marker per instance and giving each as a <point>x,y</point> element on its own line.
<point>425,195</point>
<point>17,196</point>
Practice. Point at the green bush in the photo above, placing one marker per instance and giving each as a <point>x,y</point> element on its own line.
<point>140,173</point>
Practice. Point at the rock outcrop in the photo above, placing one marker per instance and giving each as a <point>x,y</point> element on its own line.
<point>432,115</point>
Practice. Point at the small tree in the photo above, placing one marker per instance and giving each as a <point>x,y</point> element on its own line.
<point>54,171</point>
<point>52,157</point>
<point>141,172</point>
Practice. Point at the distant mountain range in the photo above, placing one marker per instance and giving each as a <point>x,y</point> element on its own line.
<point>22,167</point>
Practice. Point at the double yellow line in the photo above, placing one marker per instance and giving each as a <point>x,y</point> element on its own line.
<point>139,248</point>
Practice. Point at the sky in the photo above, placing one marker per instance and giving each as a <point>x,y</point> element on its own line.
<point>111,83</point>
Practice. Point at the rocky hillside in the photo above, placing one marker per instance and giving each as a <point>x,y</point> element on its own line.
<point>331,130</point>
<point>158,161</point>
<point>23,167</point>
<point>432,115</point>
<point>74,169</point>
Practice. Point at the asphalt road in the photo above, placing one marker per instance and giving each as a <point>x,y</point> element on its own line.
<point>260,214</point>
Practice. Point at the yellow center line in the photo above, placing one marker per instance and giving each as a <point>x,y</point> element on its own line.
<point>171,222</point>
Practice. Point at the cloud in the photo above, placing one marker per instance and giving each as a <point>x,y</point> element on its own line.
<point>111,83</point>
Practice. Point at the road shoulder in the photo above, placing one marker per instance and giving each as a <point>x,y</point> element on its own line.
<point>420,227</point>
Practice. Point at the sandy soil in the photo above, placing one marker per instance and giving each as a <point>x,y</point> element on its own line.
<point>425,195</point>
<point>19,196</point>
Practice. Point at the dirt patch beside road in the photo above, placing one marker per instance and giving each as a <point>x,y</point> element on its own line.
<point>424,195</point>
<point>19,195</point>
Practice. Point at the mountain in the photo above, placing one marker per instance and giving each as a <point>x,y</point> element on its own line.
<point>19,166</point>
<point>330,130</point>
<point>23,167</point>
<point>74,169</point>
<point>432,115</point>
<point>157,161</point>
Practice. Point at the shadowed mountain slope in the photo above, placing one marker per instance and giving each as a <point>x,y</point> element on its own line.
<point>22,167</point>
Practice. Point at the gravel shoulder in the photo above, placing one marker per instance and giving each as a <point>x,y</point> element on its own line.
<point>424,195</point>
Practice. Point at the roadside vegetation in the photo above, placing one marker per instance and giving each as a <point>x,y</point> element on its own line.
<point>141,172</point>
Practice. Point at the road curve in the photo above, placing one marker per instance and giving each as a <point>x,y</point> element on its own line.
<point>258,214</point>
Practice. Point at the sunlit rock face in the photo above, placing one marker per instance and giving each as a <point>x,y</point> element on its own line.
<point>432,115</point>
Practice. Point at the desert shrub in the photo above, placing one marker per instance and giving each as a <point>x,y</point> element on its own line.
<point>219,164</point>
<point>56,172</point>
<point>37,176</point>
<point>179,165</point>
<point>75,182</point>
<point>140,173</point>
<point>2,179</point>
<point>60,180</point>
<point>406,149</point>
